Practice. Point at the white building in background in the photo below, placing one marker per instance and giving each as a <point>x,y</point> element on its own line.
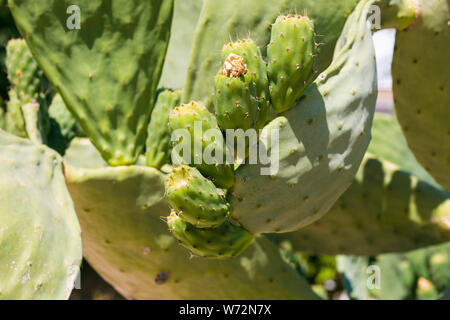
<point>384,41</point>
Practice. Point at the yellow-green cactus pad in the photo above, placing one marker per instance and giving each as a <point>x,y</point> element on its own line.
<point>127,240</point>
<point>196,199</point>
<point>40,238</point>
<point>322,141</point>
<point>106,69</point>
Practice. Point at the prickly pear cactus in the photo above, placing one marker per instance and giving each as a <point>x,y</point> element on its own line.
<point>24,76</point>
<point>420,76</point>
<point>321,141</point>
<point>63,126</point>
<point>185,16</point>
<point>134,250</point>
<point>111,97</point>
<point>384,199</point>
<point>36,212</point>
<point>291,56</point>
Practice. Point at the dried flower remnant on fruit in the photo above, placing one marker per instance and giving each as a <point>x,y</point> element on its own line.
<point>234,66</point>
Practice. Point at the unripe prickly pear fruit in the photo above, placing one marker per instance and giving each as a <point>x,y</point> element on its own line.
<point>291,56</point>
<point>158,139</point>
<point>198,121</point>
<point>226,241</point>
<point>23,71</point>
<point>242,98</point>
<point>196,199</point>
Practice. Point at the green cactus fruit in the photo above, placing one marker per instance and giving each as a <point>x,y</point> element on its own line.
<point>134,251</point>
<point>221,19</point>
<point>225,241</point>
<point>409,213</point>
<point>107,70</point>
<point>196,199</point>
<point>241,98</point>
<point>197,120</point>
<point>2,117</point>
<point>389,143</point>
<point>291,56</point>
<point>40,237</point>
<point>320,143</point>
<point>440,268</point>
<point>420,84</point>
<point>385,277</point>
<point>23,71</point>
<point>426,290</point>
<point>93,287</point>
<point>158,139</point>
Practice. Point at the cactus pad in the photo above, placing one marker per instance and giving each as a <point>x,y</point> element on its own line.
<point>158,139</point>
<point>420,83</point>
<point>40,238</point>
<point>291,56</point>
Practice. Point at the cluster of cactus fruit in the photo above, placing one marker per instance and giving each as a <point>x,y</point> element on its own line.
<point>246,88</point>
<point>92,96</point>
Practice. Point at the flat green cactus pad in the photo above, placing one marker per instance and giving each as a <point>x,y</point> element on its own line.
<point>127,240</point>
<point>40,238</point>
<point>107,71</point>
<point>385,210</point>
<point>321,142</point>
<point>421,88</point>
